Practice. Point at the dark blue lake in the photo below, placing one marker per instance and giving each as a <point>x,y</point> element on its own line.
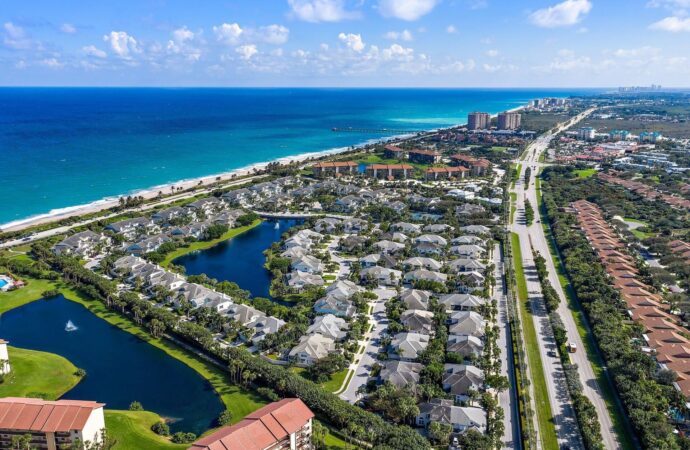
<point>120,367</point>
<point>240,259</point>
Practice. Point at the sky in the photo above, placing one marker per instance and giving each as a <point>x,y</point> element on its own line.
<point>345,43</point>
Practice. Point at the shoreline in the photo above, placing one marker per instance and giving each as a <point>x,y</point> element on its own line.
<point>150,193</point>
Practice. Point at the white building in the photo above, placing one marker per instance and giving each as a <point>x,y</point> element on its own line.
<point>4,358</point>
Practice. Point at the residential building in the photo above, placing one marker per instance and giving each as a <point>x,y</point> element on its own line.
<point>424,156</point>
<point>282,425</point>
<point>407,346</point>
<point>5,366</point>
<point>330,326</point>
<point>478,166</point>
<point>460,379</point>
<point>478,120</point>
<point>509,120</point>
<point>81,244</point>
<point>334,168</point>
<point>311,348</point>
<point>51,424</point>
<point>440,173</point>
<point>459,418</point>
<point>418,321</point>
<point>400,373</point>
<point>586,133</point>
<point>389,171</point>
<point>393,152</point>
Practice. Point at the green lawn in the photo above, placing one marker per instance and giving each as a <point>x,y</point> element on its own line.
<point>334,382</point>
<point>132,431</point>
<point>585,173</point>
<point>536,369</point>
<point>32,291</point>
<point>334,442</point>
<point>38,374</point>
<point>513,205</point>
<point>203,245</point>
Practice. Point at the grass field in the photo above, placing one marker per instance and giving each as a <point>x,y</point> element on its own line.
<point>38,374</point>
<point>334,382</point>
<point>203,245</point>
<point>542,405</point>
<point>32,291</point>
<point>132,431</point>
<point>585,173</point>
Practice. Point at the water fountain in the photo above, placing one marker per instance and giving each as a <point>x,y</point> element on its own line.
<point>71,326</point>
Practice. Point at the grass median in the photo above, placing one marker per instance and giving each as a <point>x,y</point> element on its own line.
<point>547,430</point>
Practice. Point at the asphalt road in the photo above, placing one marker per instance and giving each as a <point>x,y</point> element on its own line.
<point>533,237</point>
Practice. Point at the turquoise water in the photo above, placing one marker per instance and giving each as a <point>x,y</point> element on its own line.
<point>64,147</point>
<point>120,368</point>
<point>3,283</point>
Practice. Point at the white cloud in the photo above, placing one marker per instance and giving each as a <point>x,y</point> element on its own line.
<point>397,52</point>
<point>562,14</point>
<point>122,44</point>
<point>406,9</point>
<point>182,43</point>
<point>492,53</point>
<point>672,24</point>
<point>404,35</point>
<point>228,33</point>
<point>353,41</point>
<point>92,50</point>
<point>14,37</point>
<point>51,63</point>
<point>274,34</point>
<point>68,28</point>
<point>450,29</point>
<point>321,10</point>
<point>641,52</point>
<point>247,51</point>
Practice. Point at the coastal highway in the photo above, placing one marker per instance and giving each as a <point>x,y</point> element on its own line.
<point>152,204</point>
<point>533,237</point>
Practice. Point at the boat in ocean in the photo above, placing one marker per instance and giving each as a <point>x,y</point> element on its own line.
<point>276,226</point>
<point>70,326</point>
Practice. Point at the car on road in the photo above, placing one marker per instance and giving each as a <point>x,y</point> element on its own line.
<point>552,354</point>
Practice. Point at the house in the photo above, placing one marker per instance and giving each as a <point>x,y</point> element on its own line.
<point>166,216</point>
<point>207,205</point>
<point>418,321</point>
<point>146,245</point>
<point>425,275</point>
<point>330,326</point>
<point>422,263</point>
<point>460,379</point>
<point>337,307</point>
<point>381,275</point>
<point>431,239</point>
<point>415,299</point>
<point>327,225</point>
<point>395,237</point>
<point>354,225</point>
<point>400,373</point>
<point>444,173</point>
<point>462,302</point>
<point>438,228</point>
<point>300,280</point>
<point>467,239</point>
<point>462,265</point>
<point>424,156</point>
<point>350,203</point>
<point>307,264</point>
<point>238,197</point>
<point>464,345</point>
<point>131,228</point>
<point>311,348</point>
<point>469,209</point>
<point>343,289</point>
<point>428,248</point>
<point>352,243</point>
<point>472,251</point>
<point>264,326</point>
<point>51,424</point>
<point>228,218</point>
<point>334,168</point>
<point>478,230</point>
<point>466,322</point>
<point>389,247</point>
<point>407,228</point>
<point>477,167</point>
<point>295,252</point>
<point>459,418</point>
<point>378,259</point>
<point>286,424</point>
<point>397,206</point>
<point>81,244</point>
<point>389,171</point>
<point>5,366</point>
<point>407,346</point>
<point>470,281</point>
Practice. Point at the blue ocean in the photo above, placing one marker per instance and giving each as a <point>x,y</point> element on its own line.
<point>63,147</point>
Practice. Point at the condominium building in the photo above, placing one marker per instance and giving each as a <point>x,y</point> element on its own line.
<point>282,425</point>
<point>509,120</point>
<point>334,168</point>
<point>389,171</point>
<point>478,120</point>
<point>51,425</point>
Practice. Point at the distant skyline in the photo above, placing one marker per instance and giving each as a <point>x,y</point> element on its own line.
<point>348,43</point>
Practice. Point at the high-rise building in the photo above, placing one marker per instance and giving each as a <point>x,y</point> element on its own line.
<point>478,120</point>
<point>509,120</point>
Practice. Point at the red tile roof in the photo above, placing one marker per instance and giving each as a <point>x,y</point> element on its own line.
<point>390,166</point>
<point>326,164</point>
<point>30,414</point>
<point>425,152</point>
<point>260,429</point>
<point>446,169</point>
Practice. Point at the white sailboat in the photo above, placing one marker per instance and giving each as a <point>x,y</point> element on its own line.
<point>71,326</point>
